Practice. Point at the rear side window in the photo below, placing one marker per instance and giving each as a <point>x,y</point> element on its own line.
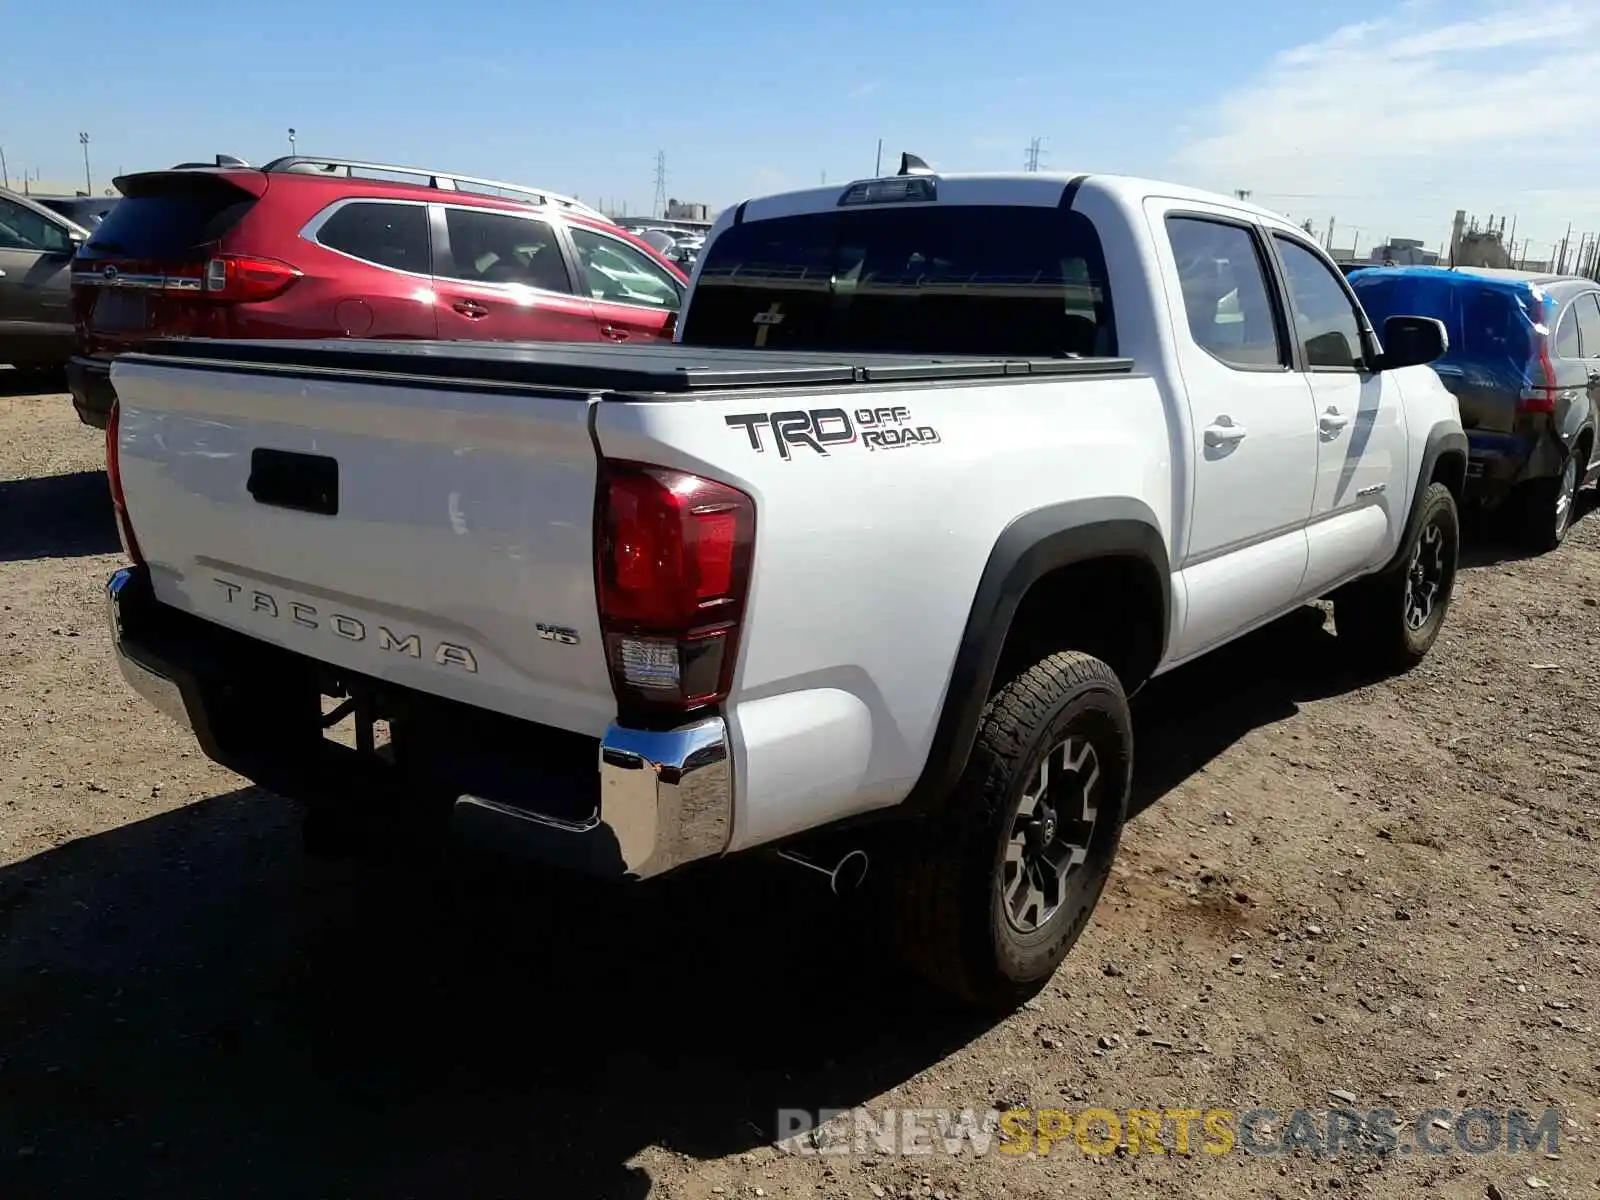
<point>172,223</point>
<point>940,279</point>
<point>1225,295</point>
<point>1567,343</point>
<point>388,235</point>
<point>1588,325</point>
<point>491,247</point>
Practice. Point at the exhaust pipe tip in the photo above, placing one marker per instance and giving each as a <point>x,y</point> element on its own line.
<point>850,873</point>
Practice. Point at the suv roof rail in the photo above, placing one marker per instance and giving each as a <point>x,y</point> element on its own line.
<point>445,181</point>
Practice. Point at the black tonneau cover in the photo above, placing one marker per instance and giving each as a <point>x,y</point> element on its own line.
<point>661,367</point>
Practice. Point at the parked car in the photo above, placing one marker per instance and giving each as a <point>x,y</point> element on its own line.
<point>1524,365</point>
<point>327,248</point>
<point>84,211</point>
<point>36,249</point>
<point>940,471</point>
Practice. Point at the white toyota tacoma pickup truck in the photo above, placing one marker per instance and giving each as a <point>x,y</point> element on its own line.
<point>940,470</point>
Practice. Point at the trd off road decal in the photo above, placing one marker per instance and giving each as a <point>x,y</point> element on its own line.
<point>823,429</point>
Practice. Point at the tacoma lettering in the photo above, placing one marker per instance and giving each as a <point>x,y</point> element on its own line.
<point>298,613</point>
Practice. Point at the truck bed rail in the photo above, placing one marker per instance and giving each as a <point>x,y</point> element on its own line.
<point>666,368</point>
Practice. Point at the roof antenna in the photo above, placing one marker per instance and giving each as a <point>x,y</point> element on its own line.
<point>910,164</point>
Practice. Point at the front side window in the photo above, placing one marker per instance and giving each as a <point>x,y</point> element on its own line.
<point>1226,299</point>
<point>617,273</point>
<point>1324,318</point>
<point>935,279</point>
<point>493,247</point>
<point>389,235</point>
<point>23,229</point>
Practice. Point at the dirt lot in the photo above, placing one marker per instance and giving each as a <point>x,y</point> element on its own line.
<point>1388,889</point>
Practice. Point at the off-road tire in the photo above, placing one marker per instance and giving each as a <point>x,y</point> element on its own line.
<point>945,899</point>
<point>1371,615</point>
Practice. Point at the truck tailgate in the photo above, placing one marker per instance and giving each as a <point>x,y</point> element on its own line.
<point>429,535</point>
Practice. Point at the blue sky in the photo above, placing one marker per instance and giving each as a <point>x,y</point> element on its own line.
<point>1389,116</point>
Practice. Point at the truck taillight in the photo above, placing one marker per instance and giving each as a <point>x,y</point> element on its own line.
<point>119,502</point>
<point>672,568</point>
<point>247,277</point>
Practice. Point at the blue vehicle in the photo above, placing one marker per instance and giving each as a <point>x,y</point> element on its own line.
<point>1524,365</point>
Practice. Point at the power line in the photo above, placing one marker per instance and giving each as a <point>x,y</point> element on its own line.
<point>659,209</point>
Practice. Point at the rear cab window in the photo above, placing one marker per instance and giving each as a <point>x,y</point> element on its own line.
<point>935,279</point>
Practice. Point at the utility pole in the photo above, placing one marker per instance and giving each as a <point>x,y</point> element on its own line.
<point>877,163</point>
<point>5,175</point>
<point>88,182</point>
<point>1031,162</point>
<point>659,209</point>
<point>1561,269</point>
<point>1328,245</point>
<point>1242,193</point>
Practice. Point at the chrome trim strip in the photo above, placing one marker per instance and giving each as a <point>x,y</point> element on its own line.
<point>153,283</point>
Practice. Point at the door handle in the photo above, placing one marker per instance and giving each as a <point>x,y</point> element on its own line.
<point>1225,433</point>
<point>470,309</point>
<point>612,332</point>
<point>1333,421</point>
<point>1594,376</point>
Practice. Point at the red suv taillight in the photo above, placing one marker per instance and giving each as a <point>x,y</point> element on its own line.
<point>672,568</point>
<point>119,502</point>
<point>247,277</point>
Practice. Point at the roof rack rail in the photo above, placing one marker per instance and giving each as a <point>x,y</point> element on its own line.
<point>445,181</point>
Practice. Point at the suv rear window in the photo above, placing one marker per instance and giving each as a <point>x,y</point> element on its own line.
<point>1494,328</point>
<point>171,223</point>
<point>945,279</point>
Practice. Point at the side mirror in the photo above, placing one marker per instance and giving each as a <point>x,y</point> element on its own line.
<point>1412,342</point>
<point>77,239</point>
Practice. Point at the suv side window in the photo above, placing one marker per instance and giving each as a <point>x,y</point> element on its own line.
<point>496,247</point>
<point>617,273</point>
<point>383,233</point>
<point>1588,325</point>
<point>1226,297</point>
<point>1324,318</point>
<point>23,229</point>
<point>1567,343</point>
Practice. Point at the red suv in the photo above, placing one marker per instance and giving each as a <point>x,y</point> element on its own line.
<point>316,247</point>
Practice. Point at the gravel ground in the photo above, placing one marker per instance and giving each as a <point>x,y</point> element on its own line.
<point>1336,892</point>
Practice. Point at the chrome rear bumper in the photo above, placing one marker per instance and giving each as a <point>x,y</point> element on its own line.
<point>665,798</point>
